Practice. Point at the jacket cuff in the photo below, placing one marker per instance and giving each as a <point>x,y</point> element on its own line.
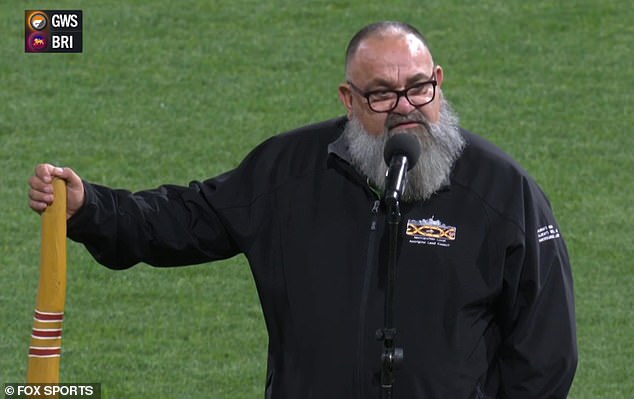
<point>84,215</point>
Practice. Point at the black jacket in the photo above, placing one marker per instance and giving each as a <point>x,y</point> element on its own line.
<point>484,294</point>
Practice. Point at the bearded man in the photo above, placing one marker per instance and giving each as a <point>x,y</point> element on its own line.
<point>483,300</point>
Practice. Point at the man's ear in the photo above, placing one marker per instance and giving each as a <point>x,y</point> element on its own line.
<point>345,95</point>
<point>440,76</point>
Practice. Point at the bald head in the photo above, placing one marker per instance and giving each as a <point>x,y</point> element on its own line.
<point>381,30</point>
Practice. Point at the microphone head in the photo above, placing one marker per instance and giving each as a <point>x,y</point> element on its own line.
<point>402,144</point>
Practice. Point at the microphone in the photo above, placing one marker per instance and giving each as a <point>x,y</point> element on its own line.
<point>401,154</point>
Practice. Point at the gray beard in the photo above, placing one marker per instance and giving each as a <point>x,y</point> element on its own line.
<point>441,144</point>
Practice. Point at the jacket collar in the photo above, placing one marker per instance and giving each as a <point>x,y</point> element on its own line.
<point>341,148</point>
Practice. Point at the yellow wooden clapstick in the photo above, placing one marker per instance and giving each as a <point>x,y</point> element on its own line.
<point>46,338</point>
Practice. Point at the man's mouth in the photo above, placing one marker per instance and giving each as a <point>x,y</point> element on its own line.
<point>405,125</point>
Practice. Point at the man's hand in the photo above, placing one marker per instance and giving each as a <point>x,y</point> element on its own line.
<point>41,192</point>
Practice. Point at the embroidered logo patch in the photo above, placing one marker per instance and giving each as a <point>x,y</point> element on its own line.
<point>547,233</point>
<point>430,232</point>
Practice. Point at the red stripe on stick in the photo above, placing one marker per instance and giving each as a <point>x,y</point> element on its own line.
<point>49,316</point>
<point>47,333</point>
<point>37,351</point>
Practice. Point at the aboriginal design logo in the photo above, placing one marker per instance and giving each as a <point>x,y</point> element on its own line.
<point>430,232</point>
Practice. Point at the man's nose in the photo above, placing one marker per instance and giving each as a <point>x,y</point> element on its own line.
<point>403,106</point>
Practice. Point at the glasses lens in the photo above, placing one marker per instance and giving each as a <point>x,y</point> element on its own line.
<point>383,102</point>
<point>421,94</point>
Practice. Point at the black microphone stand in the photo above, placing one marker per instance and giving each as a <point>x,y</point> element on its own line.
<point>391,357</point>
<point>401,153</point>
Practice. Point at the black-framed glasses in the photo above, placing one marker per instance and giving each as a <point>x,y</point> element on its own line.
<point>418,95</point>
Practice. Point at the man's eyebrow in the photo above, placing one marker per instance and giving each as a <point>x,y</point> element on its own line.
<point>419,77</point>
<point>379,83</point>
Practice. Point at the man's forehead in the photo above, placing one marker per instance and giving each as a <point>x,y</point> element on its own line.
<point>376,46</point>
<point>402,51</point>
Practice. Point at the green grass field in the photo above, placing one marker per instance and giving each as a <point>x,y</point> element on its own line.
<point>173,91</point>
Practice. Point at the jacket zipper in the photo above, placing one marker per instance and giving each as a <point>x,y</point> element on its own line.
<point>372,239</point>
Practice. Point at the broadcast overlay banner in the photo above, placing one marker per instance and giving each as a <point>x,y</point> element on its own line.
<point>50,391</point>
<point>53,31</point>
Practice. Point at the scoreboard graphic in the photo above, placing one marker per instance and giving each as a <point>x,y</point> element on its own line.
<point>53,31</point>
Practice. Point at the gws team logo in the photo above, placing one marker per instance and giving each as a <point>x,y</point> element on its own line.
<point>37,42</point>
<point>38,21</point>
<point>430,232</point>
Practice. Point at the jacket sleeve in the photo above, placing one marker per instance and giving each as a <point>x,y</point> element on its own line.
<point>538,356</point>
<point>167,226</point>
